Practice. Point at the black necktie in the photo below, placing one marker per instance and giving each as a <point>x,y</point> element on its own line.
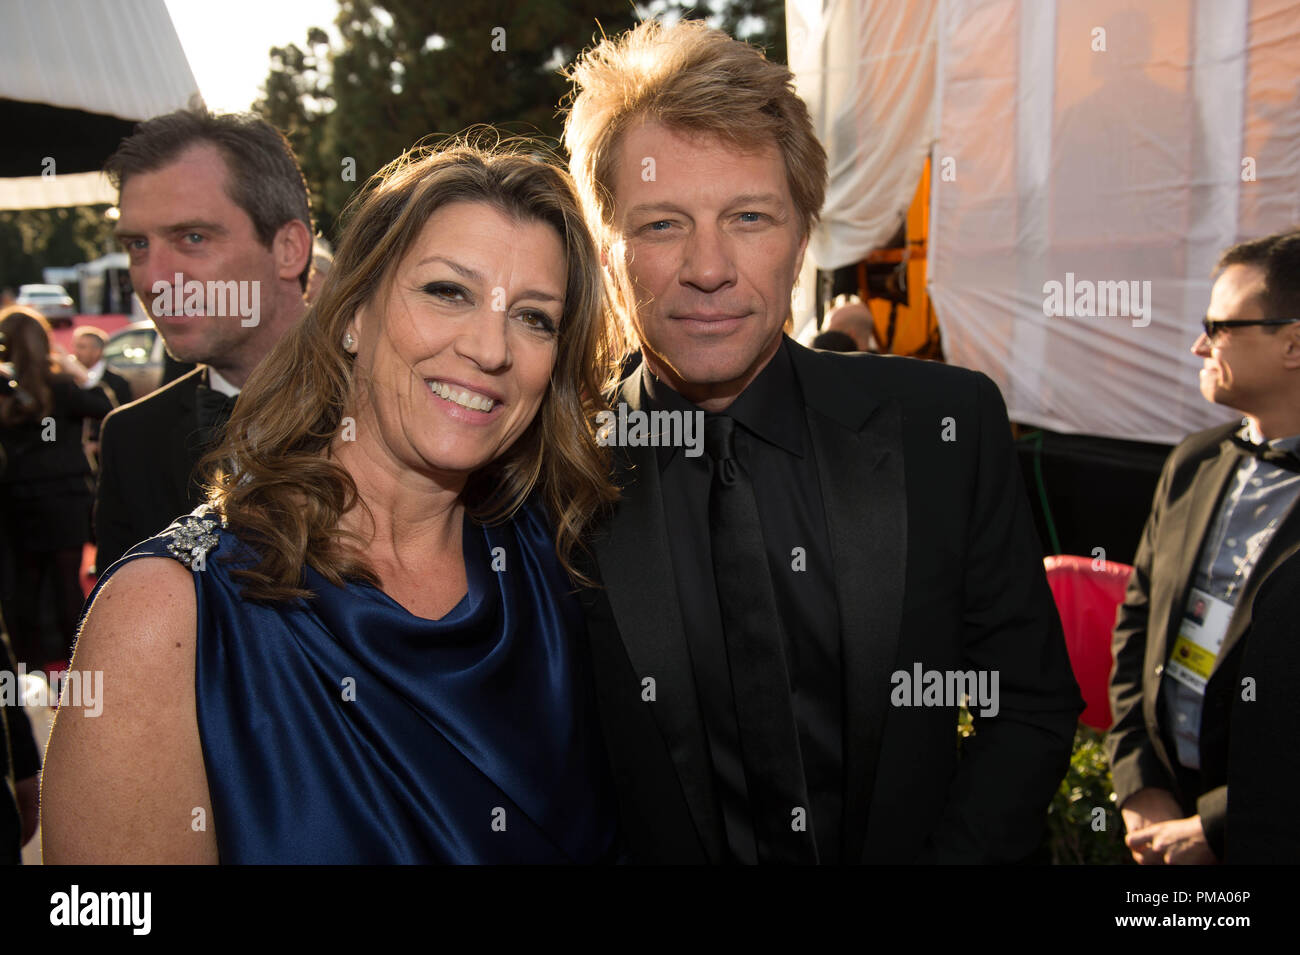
<point>1279,456</point>
<point>769,739</point>
<point>213,410</point>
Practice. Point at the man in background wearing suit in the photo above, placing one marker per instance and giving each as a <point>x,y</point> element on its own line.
<point>827,534</point>
<point>215,219</point>
<point>1223,517</point>
<point>88,345</point>
<point>1264,761</point>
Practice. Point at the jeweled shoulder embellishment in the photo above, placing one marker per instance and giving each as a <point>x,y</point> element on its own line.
<point>193,537</point>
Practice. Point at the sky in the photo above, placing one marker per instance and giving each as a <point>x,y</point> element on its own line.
<point>227,41</point>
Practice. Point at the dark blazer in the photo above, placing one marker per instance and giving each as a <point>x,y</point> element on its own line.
<point>1263,757</point>
<point>148,451</point>
<point>18,743</point>
<point>121,392</point>
<point>118,385</point>
<point>46,484</point>
<point>1140,744</point>
<point>936,561</point>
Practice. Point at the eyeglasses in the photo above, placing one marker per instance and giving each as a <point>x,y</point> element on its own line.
<point>1212,327</point>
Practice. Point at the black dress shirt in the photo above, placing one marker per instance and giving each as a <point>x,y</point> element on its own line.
<point>773,446</point>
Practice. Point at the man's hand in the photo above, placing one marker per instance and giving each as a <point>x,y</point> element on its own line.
<point>1174,842</point>
<point>69,364</point>
<point>1144,809</point>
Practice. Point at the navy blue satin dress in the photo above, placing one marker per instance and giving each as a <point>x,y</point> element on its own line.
<point>343,729</point>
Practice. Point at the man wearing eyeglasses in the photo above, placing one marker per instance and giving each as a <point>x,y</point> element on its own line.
<point>1223,518</point>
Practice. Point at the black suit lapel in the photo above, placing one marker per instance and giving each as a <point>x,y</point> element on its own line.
<point>186,446</point>
<point>636,569</point>
<point>858,444</point>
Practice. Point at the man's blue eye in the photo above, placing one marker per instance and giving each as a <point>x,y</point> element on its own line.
<point>756,216</point>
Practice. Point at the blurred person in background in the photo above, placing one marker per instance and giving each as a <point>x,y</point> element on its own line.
<point>88,346</point>
<point>834,341</point>
<point>20,767</point>
<point>321,260</point>
<point>853,318</point>
<point>45,490</point>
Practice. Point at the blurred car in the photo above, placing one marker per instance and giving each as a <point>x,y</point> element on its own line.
<point>136,353</point>
<point>52,301</point>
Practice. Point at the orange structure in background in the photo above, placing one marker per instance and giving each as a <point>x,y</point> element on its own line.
<point>915,329</point>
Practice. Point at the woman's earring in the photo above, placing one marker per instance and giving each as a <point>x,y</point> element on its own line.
<point>348,341</point>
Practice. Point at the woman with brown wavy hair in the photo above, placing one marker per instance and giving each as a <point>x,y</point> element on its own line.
<point>363,648</point>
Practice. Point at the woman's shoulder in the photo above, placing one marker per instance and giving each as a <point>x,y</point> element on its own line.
<point>151,590</point>
<point>119,788</point>
<point>183,548</point>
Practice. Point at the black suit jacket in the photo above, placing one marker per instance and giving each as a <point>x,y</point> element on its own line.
<point>121,391</point>
<point>148,451</point>
<point>118,385</point>
<point>1264,760</point>
<point>936,561</point>
<point>1141,745</point>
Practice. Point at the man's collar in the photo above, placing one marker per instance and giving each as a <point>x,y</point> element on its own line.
<point>1250,432</point>
<point>770,407</point>
<point>219,384</point>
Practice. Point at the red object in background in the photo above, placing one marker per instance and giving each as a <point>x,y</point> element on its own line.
<point>87,564</point>
<point>1087,597</point>
<point>109,323</point>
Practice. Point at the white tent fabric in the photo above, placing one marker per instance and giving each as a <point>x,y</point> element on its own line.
<point>1091,162</point>
<point>121,58</point>
<point>866,71</point>
<point>65,189</point>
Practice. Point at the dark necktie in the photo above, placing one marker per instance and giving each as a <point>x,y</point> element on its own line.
<point>213,410</point>
<point>1278,456</point>
<point>769,739</point>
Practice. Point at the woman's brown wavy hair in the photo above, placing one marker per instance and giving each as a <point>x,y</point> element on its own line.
<point>25,342</point>
<point>272,477</point>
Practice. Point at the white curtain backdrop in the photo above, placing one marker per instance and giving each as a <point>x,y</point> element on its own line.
<point>1083,143</point>
<point>120,58</point>
<point>866,71</point>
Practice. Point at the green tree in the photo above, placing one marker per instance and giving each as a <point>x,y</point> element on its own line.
<point>35,239</point>
<point>408,70</point>
<point>298,99</point>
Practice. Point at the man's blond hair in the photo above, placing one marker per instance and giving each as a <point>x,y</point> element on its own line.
<point>695,79</point>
